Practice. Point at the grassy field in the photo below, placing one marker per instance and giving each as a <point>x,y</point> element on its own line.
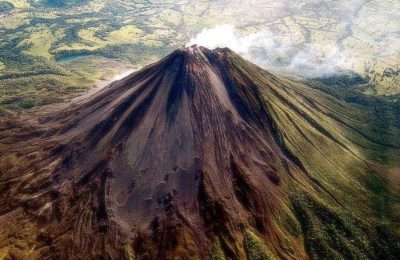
<point>37,37</point>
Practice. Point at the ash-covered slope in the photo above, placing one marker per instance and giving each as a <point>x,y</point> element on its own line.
<point>199,155</point>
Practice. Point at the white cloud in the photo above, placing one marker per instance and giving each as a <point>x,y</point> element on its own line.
<point>225,36</point>
<point>348,8</point>
<point>262,48</point>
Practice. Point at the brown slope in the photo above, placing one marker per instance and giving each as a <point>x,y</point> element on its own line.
<point>177,156</point>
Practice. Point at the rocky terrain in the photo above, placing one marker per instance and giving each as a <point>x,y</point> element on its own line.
<point>200,155</point>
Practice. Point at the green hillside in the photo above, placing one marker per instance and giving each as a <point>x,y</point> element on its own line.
<point>50,50</point>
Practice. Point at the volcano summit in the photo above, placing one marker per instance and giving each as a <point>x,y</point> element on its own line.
<point>201,154</point>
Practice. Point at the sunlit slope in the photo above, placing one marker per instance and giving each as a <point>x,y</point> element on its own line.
<point>349,190</point>
<point>206,155</point>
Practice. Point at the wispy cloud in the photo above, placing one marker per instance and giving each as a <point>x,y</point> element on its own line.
<point>262,48</point>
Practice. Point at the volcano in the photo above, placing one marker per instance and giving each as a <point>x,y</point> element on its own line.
<point>202,155</point>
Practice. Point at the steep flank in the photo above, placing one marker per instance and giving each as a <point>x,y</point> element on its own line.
<point>201,154</point>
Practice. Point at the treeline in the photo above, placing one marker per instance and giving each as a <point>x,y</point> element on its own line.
<point>383,111</point>
<point>6,7</point>
<point>58,3</point>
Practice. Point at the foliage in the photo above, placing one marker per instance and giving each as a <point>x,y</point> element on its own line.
<point>256,248</point>
<point>216,252</point>
<point>334,233</point>
<point>26,103</point>
<point>38,43</point>
<point>61,3</point>
<point>381,114</point>
<point>6,7</point>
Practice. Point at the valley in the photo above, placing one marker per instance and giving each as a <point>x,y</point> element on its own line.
<point>42,33</point>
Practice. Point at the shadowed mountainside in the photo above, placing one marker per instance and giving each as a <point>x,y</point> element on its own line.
<point>201,154</point>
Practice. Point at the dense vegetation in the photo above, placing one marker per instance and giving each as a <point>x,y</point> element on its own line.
<point>6,7</point>
<point>48,38</point>
<point>349,87</point>
<point>61,3</point>
<point>256,248</point>
<point>337,150</point>
<point>61,43</point>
